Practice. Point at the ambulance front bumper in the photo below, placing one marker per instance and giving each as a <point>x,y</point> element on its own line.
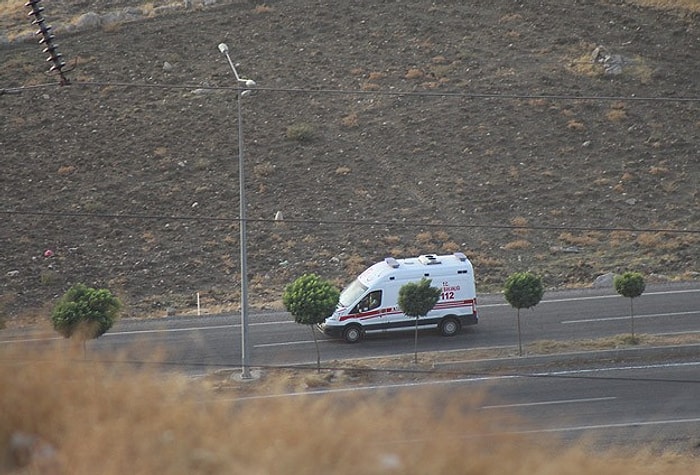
<point>330,330</point>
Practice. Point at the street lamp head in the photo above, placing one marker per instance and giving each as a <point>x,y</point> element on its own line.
<point>223,48</point>
<point>249,83</point>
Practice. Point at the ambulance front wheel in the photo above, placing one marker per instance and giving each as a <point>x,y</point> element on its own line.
<point>449,326</point>
<point>352,333</point>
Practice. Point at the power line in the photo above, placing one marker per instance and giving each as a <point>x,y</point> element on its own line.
<point>393,93</point>
<point>335,222</point>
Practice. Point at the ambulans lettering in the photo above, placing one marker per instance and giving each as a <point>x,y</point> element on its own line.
<point>448,291</point>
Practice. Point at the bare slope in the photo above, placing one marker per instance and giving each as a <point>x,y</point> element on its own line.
<point>378,128</point>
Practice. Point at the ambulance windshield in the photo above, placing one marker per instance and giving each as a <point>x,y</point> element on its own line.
<point>351,293</point>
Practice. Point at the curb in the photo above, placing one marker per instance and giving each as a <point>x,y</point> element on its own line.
<point>557,360</point>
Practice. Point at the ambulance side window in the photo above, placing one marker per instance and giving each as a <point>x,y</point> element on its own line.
<point>369,302</point>
<point>375,299</point>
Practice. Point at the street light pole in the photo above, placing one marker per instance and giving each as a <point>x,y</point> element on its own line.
<point>245,352</point>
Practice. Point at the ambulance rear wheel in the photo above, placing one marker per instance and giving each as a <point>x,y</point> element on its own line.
<point>449,326</point>
<point>352,333</point>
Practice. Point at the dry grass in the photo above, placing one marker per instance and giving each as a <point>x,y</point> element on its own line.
<point>486,261</point>
<point>546,347</point>
<point>582,65</point>
<point>392,240</point>
<point>263,9</point>
<point>575,125</point>
<point>342,170</point>
<point>355,264</point>
<point>14,11</point>
<point>414,73</point>
<point>616,114</point>
<point>589,239</point>
<point>681,5</point>
<point>521,224</point>
<point>449,247</point>
<point>424,237</point>
<point>264,169</point>
<point>351,120</point>
<point>370,86</point>
<point>517,244</point>
<point>661,240</point>
<point>66,170</point>
<point>113,419</point>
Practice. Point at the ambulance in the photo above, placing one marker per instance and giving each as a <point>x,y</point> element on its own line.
<point>371,302</point>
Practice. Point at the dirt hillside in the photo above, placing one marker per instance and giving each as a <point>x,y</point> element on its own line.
<point>561,137</point>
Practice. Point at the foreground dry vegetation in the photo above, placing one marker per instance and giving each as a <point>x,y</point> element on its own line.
<point>86,417</point>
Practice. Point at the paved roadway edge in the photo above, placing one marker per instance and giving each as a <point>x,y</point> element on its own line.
<point>585,358</point>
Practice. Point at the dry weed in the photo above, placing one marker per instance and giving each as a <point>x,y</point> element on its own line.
<point>263,9</point>
<point>65,170</point>
<point>584,66</point>
<point>355,264</point>
<point>350,120</point>
<point>689,5</point>
<point>370,86</point>
<point>166,423</point>
<point>619,238</point>
<point>264,169</point>
<point>424,238</point>
<point>520,223</point>
<point>441,235</point>
<point>414,73</point>
<point>483,261</point>
<point>616,115</point>
<point>517,244</point>
<point>510,17</point>
<point>575,125</point>
<point>450,247</point>
<point>658,170</point>
<point>669,186</point>
<point>589,239</point>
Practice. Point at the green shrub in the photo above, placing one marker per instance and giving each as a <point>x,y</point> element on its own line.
<point>300,132</point>
<point>85,312</point>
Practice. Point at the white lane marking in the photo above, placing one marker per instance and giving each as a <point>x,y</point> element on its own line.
<point>169,330</point>
<point>287,343</point>
<point>649,315</point>
<point>609,426</point>
<point>619,368</point>
<point>593,297</point>
<point>154,330</point>
<point>29,340</point>
<point>546,403</point>
<point>677,333</point>
<point>188,329</point>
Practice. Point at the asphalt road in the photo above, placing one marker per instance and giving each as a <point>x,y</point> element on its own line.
<point>204,342</point>
<point>654,404</point>
<point>275,340</point>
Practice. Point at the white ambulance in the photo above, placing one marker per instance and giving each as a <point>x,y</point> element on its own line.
<point>370,303</point>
